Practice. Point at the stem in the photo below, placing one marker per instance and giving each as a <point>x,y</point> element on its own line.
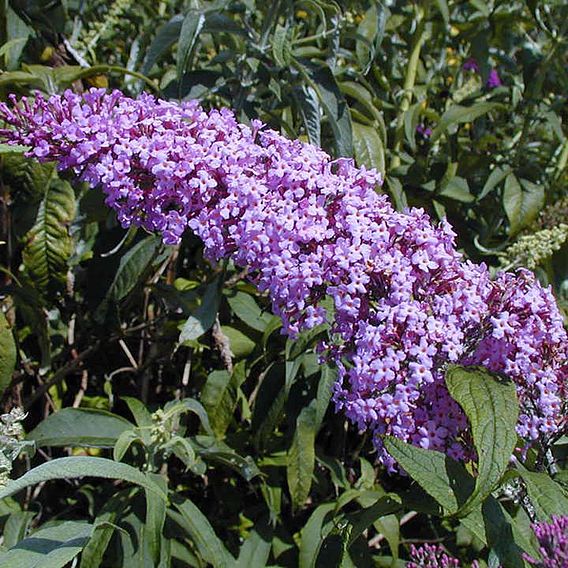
<point>409,81</point>
<point>103,68</point>
<point>268,23</point>
<point>534,98</point>
<point>562,161</point>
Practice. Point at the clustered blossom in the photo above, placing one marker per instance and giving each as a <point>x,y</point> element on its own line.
<point>433,556</point>
<point>309,228</point>
<point>493,79</point>
<point>553,543</point>
<point>424,131</point>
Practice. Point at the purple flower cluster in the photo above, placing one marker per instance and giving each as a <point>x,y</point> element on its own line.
<point>471,64</point>
<point>432,556</point>
<point>423,131</point>
<point>493,80</point>
<point>553,543</point>
<point>310,229</point>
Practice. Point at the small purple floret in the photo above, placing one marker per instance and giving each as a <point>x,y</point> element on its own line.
<point>493,81</point>
<point>432,556</point>
<point>553,543</point>
<point>471,65</point>
<point>424,131</point>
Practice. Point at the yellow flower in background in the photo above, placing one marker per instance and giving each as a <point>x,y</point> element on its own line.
<point>47,54</point>
<point>100,81</point>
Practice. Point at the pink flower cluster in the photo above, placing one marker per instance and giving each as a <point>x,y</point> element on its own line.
<point>553,543</point>
<point>309,228</point>
<point>433,556</point>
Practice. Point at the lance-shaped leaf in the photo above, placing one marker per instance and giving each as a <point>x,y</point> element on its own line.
<point>548,497</point>
<point>51,547</point>
<point>80,427</point>
<point>369,34</point>
<point>190,30</point>
<point>322,80</point>
<point>7,353</point>
<point>198,528</point>
<point>132,267</point>
<point>440,476</point>
<point>522,201</point>
<point>458,114</point>
<point>308,104</point>
<point>48,244</point>
<point>368,147</point>
<point>81,466</point>
<point>490,403</point>
<point>301,456</point>
<point>204,316</point>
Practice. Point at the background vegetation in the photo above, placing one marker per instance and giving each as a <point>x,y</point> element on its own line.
<point>205,436</point>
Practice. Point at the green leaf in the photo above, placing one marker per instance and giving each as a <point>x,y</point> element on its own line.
<point>219,397</point>
<point>13,149</point>
<point>280,46</point>
<point>125,440</point>
<point>522,204</point>
<point>103,529</point>
<point>389,526</point>
<point>155,518</point>
<point>301,456</point>
<point>212,450</point>
<point>80,466</point>
<point>459,114</point>
<point>494,179</point>
<point>327,379</point>
<point>16,527</point>
<point>8,353</point>
<point>269,402</point>
<point>198,528</point>
<point>309,108</point>
<point>368,147</point>
<point>440,476</point>
<point>166,36</point>
<point>491,406</point>
<point>547,496</point>
<point>204,317</point>
<point>411,119</point>
<point>304,341</point>
<point>444,10</point>
<point>241,345</point>
<point>361,520</point>
<point>48,244</point>
<point>501,536</point>
<point>141,415</point>
<point>495,528</point>
<point>246,309</point>
<point>17,34</point>
<point>255,550</point>
<point>190,30</point>
<point>51,547</point>
<point>313,535</point>
<point>189,405</point>
<point>80,427</point>
<point>321,79</point>
<point>369,35</point>
<point>132,267</point>
<point>457,188</point>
